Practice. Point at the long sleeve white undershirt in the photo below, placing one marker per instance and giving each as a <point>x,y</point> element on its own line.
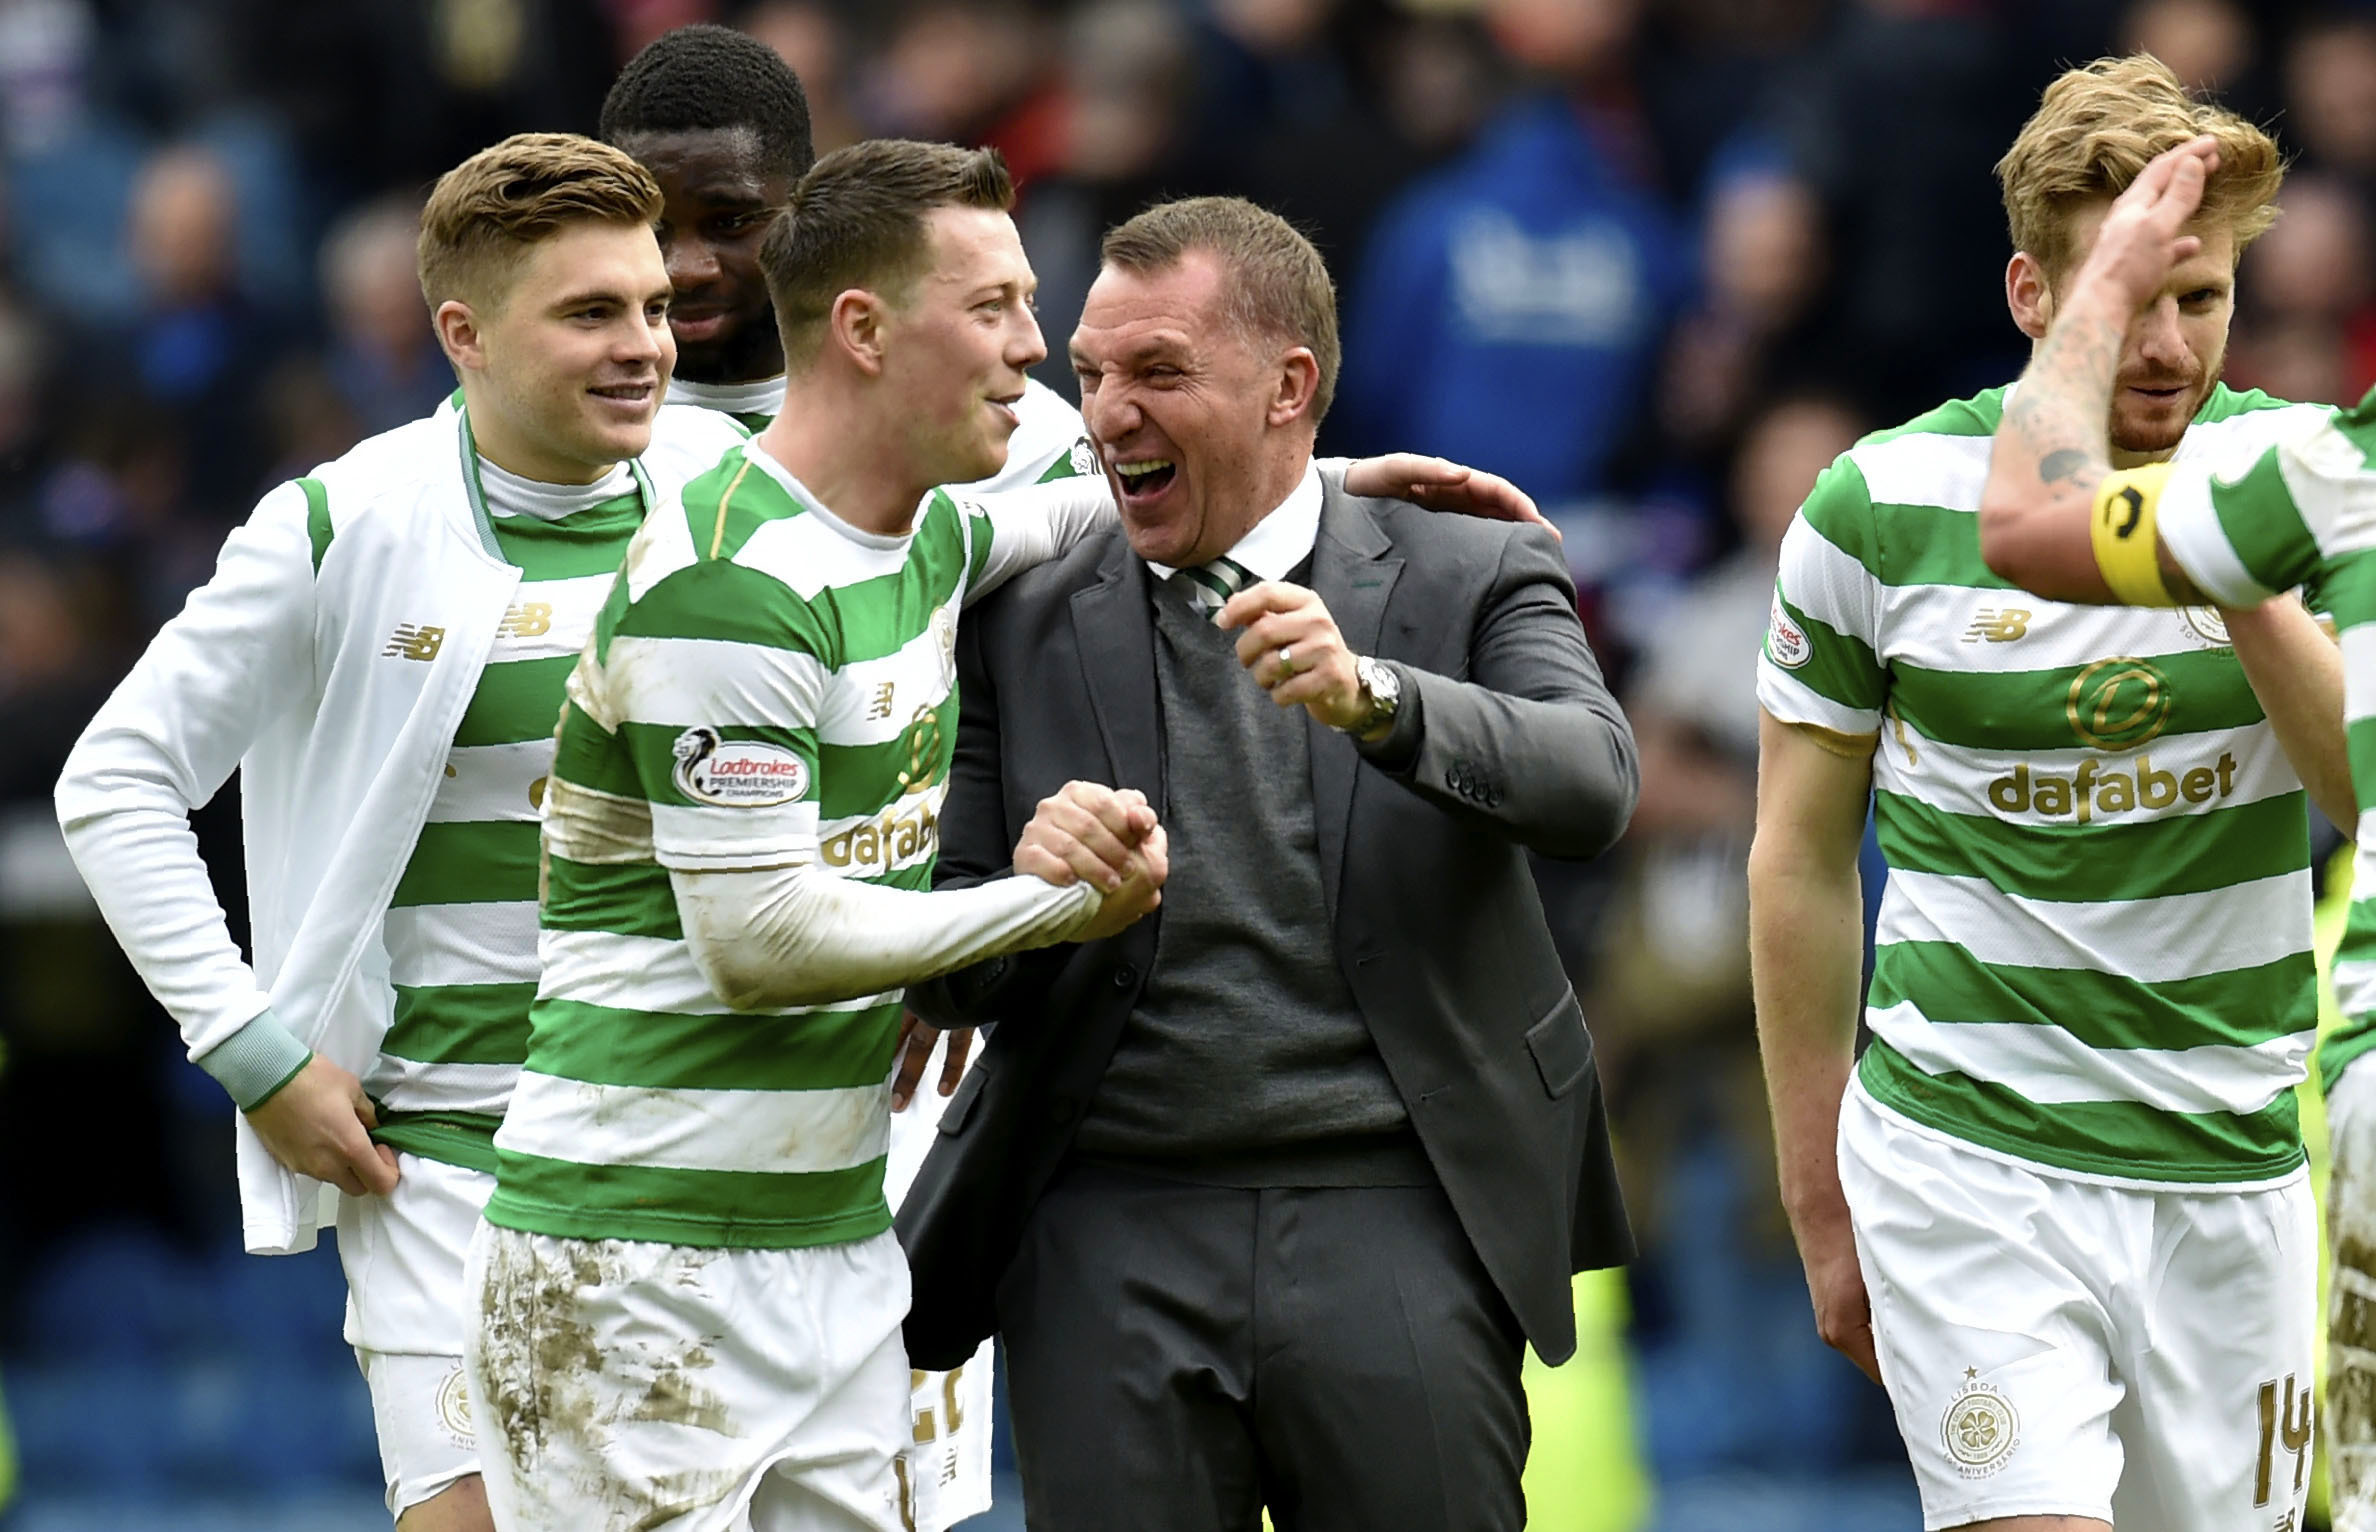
<point>799,935</point>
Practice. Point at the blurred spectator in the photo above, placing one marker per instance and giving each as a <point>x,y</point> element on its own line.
<point>2208,44</point>
<point>1671,1015</point>
<point>2331,88</point>
<point>21,407</point>
<point>2309,298</point>
<point>1434,82</point>
<point>307,418</point>
<point>1767,257</point>
<point>809,37</point>
<point>1674,962</point>
<point>1124,71</point>
<point>1897,122</point>
<point>199,343</point>
<point>391,92</point>
<point>52,676</point>
<point>1264,68</point>
<point>1509,307</point>
<point>383,358</point>
<point>971,71</point>
<point>1709,67</point>
<point>45,60</point>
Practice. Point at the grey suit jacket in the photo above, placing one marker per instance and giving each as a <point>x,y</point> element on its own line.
<point>1438,927</point>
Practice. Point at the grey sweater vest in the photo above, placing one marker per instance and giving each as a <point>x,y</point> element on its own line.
<point>1246,1061</point>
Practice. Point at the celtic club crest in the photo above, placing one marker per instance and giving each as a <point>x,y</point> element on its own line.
<point>2118,704</point>
<point>926,745</point>
<point>1979,1430</point>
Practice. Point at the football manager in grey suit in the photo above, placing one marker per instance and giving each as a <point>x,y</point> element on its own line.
<point>1266,1193</point>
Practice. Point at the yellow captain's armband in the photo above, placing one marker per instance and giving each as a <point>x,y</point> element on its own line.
<point>2121,525</point>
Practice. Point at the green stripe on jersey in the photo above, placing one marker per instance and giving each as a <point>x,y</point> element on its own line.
<point>626,901</point>
<point>811,1050</point>
<point>2042,767</point>
<point>460,1023</point>
<point>840,647</point>
<point>462,929</point>
<point>728,1209</point>
<point>318,530</point>
<point>515,702</point>
<point>2103,1011</point>
<point>2124,1140</point>
<point>466,1139</point>
<point>2102,861</point>
<point>483,862</point>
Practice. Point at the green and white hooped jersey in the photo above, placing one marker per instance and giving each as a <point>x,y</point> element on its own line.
<point>2093,951</point>
<point>461,929</point>
<point>767,686</point>
<point>2305,510</point>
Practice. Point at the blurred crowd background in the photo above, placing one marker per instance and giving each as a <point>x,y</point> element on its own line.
<point>1657,260</point>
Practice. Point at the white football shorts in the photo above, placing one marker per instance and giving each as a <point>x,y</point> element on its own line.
<point>2351,1298</point>
<point>2059,1346</point>
<point>620,1383</point>
<point>944,1470</point>
<point>405,1318</point>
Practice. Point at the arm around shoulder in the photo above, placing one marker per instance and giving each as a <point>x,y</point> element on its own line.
<point>1531,743</point>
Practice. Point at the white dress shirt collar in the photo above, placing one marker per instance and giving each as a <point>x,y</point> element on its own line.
<point>1280,540</point>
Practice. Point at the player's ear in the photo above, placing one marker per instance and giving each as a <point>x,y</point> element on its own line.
<point>2029,294</point>
<point>459,335</point>
<point>856,324</point>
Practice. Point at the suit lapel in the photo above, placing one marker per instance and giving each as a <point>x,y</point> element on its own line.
<point>1354,569</point>
<point>1114,634</point>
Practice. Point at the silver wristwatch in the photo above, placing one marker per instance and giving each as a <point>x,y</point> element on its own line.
<point>1383,688</point>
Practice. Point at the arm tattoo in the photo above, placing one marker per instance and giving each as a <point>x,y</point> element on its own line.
<point>2062,463</point>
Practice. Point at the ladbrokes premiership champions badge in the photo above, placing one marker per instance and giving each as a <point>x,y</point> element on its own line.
<point>737,773</point>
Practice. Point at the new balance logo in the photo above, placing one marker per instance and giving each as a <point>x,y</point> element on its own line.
<point>533,619</point>
<point>1998,627</point>
<point>412,643</point>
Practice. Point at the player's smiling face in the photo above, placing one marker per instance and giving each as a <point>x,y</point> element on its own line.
<point>958,345</point>
<point>2176,349</point>
<point>564,366</point>
<point>1179,400</point>
<point>718,197</point>
<point>564,373</point>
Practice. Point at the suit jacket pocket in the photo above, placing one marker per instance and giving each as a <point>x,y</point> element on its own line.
<point>961,1105</point>
<point>1561,1047</point>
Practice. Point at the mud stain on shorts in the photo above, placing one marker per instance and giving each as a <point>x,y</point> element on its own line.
<point>676,1397</point>
<point>673,1495</point>
<point>537,1352</point>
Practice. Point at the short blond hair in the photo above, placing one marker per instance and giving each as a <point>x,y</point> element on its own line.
<point>2094,132</point>
<point>1275,285</point>
<point>485,214</point>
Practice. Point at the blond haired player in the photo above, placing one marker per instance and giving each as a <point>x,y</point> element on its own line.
<point>381,651</point>
<point>2062,518</point>
<point>2061,1212</point>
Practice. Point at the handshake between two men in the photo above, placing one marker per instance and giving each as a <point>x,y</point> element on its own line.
<point>1112,838</point>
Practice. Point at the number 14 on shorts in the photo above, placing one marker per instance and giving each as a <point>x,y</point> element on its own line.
<point>2286,1427</point>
